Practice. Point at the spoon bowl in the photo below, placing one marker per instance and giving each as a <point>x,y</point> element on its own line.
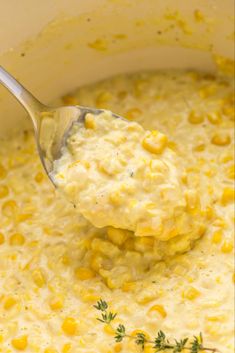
<point>51,125</point>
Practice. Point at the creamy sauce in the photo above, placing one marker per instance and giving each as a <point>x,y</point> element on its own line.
<point>54,265</point>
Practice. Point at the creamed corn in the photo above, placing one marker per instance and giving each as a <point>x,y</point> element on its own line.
<point>55,265</point>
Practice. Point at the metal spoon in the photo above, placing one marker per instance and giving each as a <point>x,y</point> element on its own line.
<point>51,125</point>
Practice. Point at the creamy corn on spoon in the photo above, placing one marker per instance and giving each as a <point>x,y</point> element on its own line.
<point>116,173</point>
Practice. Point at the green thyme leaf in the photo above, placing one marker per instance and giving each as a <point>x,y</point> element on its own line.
<point>120,333</point>
<point>140,339</point>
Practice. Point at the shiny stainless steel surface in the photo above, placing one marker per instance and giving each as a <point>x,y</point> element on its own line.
<point>51,125</point>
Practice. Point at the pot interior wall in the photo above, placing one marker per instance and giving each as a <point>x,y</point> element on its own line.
<point>57,48</point>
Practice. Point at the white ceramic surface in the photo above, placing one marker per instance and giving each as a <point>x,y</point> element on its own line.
<point>53,46</point>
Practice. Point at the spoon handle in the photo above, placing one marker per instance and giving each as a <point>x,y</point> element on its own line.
<point>27,100</point>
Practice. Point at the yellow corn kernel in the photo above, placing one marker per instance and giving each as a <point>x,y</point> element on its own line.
<point>156,166</point>
<point>227,246</point>
<point>84,273</point>
<point>158,308</point>
<point>129,244</point>
<point>135,332</point>
<point>103,98</point>
<point>33,243</point>
<point>17,239</point>
<point>99,44</point>
<point>226,157</point>
<point>9,208</point>
<point>56,303</point>
<point>217,237</point>
<point>82,343</point>
<point>2,239</point>
<point>107,167</point>
<point>116,198</point>
<point>216,318</point>
<point>65,260</point>
<point>9,303</point>
<point>117,347</point>
<point>105,247</point>
<point>4,191</point>
<point>96,261</point>
<point>122,95</point>
<point>117,236</point>
<point>112,283</point>
<point>195,118</point>
<point>146,297</point>
<point>227,195</point>
<point>132,203</point>
<point>207,91</point>
<point>210,173</point>
<point>221,139</point>
<point>208,212</point>
<point>133,114</point>
<point>154,142</point>
<point>192,199</point>
<point>89,297</point>
<point>120,36</point>
<point>184,178</point>
<point>149,349</point>
<point>128,286</point>
<point>90,122</point>
<point>1,339</point>
<point>23,217</point>
<point>129,189</point>
<point>69,326</point>
<point>39,177</point>
<point>229,111</point>
<point>191,293</point>
<point>220,222</point>
<point>38,278</point>
<point>214,118</point>
<point>145,229</point>
<point>139,86</point>
<point>198,15</point>
<point>230,173</point>
<point>50,350</point>
<point>52,232</point>
<point>109,330</point>
<point>195,76</point>
<point>190,279</point>
<point>20,343</point>
<point>3,172</point>
<point>144,243</point>
<point>69,100</point>
<point>173,146</point>
<point>200,147</point>
<point>66,348</point>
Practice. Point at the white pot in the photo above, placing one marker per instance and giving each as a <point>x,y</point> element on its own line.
<point>53,46</point>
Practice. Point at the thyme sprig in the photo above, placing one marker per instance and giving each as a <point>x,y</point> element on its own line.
<point>160,343</point>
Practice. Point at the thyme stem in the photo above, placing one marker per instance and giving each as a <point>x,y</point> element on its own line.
<point>160,342</point>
